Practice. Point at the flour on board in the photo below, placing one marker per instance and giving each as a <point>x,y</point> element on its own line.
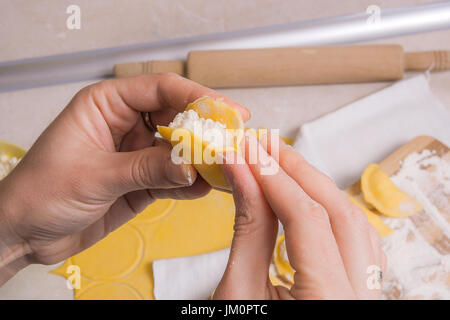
<point>417,267</point>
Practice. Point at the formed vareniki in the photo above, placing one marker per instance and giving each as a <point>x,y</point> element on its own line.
<point>205,130</point>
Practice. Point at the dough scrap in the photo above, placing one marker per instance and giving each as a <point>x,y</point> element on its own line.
<point>374,219</point>
<point>380,192</point>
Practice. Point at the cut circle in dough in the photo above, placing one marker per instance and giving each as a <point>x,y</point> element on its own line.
<point>216,110</point>
<point>123,249</point>
<point>109,291</point>
<point>191,227</point>
<point>155,211</point>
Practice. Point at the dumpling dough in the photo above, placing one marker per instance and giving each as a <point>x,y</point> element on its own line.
<point>214,113</point>
<point>380,192</point>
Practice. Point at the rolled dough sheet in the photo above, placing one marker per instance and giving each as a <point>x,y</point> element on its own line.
<point>120,266</point>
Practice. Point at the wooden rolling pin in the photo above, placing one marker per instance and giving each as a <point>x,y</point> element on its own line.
<point>294,66</point>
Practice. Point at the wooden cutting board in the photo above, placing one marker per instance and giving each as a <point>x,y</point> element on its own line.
<point>392,163</point>
<point>427,227</point>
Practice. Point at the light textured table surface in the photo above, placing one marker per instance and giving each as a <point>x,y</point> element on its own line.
<point>38,28</point>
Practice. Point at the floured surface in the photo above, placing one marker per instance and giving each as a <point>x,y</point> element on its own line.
<point>418,249</point>
<point>418,252</point>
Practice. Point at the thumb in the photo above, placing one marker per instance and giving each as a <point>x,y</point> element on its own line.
<point>254,238</point>
<point>149,168</point>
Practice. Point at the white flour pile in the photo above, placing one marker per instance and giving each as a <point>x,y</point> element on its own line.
<point>7,164</point>
<point>419,268</point>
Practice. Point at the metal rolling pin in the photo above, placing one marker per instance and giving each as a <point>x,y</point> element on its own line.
<point>98,64</point>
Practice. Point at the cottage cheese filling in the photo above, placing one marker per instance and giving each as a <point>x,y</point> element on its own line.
<point>213,132</point>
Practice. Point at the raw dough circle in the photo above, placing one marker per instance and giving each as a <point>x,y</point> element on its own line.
<point>122,249</point>
<point>109,291</point>
<point>155,211</point>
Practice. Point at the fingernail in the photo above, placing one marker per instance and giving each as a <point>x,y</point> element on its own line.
<point>263,138</point>
<point>250,138</point>
<point>249,112</point>
<point>282,142</point>
<point>225,157</point>
<point>183,174</point>
<point>246,109</point>
<point>189,173</point>
<point>250,133</point>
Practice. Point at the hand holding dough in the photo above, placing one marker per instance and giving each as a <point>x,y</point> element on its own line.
<point>195,144</point>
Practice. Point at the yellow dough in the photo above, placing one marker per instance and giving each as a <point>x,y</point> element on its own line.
<point>121,240</point>
<point>217,110</point>
<point>155,211</point>
<point>261,130</point>
<point>276,281</point>
<point>120,266</point>
<point>109,291</point>
<point>380,192</point>
<point>374,219</point>
<point>285,273</point>
<point>281,263</point>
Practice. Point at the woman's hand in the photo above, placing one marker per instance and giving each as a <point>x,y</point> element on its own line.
<point>329,242</point>
<point>94,168</point>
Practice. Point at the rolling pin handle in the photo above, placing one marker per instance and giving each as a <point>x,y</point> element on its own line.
<point>427,60</point>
